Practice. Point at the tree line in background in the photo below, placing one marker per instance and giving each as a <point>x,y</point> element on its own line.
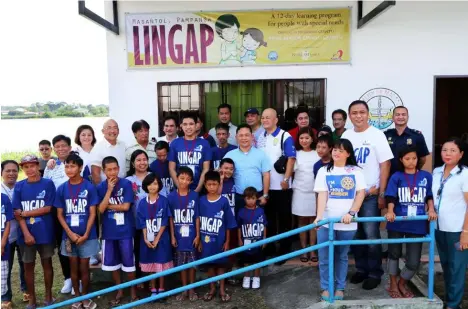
<point>54,109</point>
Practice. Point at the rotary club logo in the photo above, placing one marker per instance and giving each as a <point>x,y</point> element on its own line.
<point>347,183</point>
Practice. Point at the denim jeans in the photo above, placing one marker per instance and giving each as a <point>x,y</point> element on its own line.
<point>369,257</point>
<point>340,255</point>
<point>14,248</point>
<point>413,255</point>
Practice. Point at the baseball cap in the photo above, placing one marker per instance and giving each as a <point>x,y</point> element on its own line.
<point>29,159</point>
<point>252,110</point>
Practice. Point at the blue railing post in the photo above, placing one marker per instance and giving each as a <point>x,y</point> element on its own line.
<point>431,261</point>
<point>331,262</point>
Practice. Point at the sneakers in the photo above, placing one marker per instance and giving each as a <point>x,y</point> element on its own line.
<point>246,283</point>
<point>358,278</point>
<point>67,287</point>
<point>93,260</point>
<point>255,282</point>
<point>370,283</point>
<point>73,290</point>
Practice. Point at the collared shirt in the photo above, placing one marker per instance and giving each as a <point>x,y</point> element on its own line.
<point>104,149</point>
<point>13,223</point>
<point>450,204</point>
<point>271,145</point>
<point>249,168</point>
<point>149,151</point>
<point>232,134</point>
<point>335,135</point>
<point>407,138</point>
<point>164,139</point>
<point>57,174</point>
<point>256,134</point>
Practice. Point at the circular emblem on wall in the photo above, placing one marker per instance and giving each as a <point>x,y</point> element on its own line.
<point>381,103</point>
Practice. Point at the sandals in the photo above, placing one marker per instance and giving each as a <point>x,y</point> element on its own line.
<point>304,259</point>
<point>193,296</point>
<point>209,296</point>
<point>51,302</point>
<point>78,305</point>
<point>182,296</point>
<point>115,302</point>
<point>339,297</point>
<point>394,294</point>
<point>314,259</point>
<point>31,306</point>
<point>25,297</point>
<point>90,305</point>
<point>225,297</point>
<point>7,305</point>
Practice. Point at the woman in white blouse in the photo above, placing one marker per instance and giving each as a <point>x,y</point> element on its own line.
<point>450,189</point>
<point>304,199</point>
<point>85,140</point>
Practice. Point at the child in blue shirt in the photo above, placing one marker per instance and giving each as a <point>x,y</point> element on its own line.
<point>409,193</point>
<point>324,148</point>
<point>153,219</point>
<point>185,227</point>
<point>251,222</point>
<point>76,201</point>
<point>116,196</point>
<point>220,150</point>
<point>216,220</point>
<point>7,216</point>
<point>33,199</point>
<point>160,166</point>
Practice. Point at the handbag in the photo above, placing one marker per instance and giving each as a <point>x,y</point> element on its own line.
<point>280,164</point>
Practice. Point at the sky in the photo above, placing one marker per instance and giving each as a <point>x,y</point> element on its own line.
<point>50,53</point>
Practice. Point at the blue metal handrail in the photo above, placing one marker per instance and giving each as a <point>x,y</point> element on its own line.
<point>330,243</point>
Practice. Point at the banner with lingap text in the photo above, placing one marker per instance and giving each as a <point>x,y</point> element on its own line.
<point>270,37</point>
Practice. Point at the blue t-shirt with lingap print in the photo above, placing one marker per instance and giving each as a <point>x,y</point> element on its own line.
<point>252,223</point>
<point>229,192</point>
<point>215,219</point>
<point>117,225</point>
<point>7,215</point>
<point>184,211</point>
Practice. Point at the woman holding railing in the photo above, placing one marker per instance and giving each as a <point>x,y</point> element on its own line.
<point>341,190</point>
<point>450,187</point>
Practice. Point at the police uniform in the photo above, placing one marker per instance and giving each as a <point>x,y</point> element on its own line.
<point>409,137</point>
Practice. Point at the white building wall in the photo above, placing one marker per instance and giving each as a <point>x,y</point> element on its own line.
<point>402,49</point>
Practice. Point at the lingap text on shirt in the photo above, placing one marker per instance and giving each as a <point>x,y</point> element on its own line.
<point>76,206</point>
<point>116,200</point>
<point>362,153</point>
<point>252,230</point>
<point>167,182</point>
<point>4,220</point>
<point>153,225</point>
<point>211,225</point>
<point>419,195</point>
<point>184,216</point>
<point>192,159</point>
<point>32,205</point>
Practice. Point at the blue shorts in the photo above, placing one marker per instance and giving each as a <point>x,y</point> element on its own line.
<point>118,254</point>
<point>88,249</point>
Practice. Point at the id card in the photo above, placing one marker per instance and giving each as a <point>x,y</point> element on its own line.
<point>149,236</point>
<point>185,231</point>
<point>119,218</point>
<point>247,242</point>
<point>412,210</point>
<point>75,220</point>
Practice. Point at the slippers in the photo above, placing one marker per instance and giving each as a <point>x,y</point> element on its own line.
<point>339,297</point>
<point>31,306</point>
<point>182,296</point>
<point>314,259</point>
<point>25,297</point>
<point>51,302</point>
<point>304,259</point>
<point>209,296</point>
<point>193,296</point>
<point>78,305</point>
<point>90,305</point>
<point>7,305</point>
<point>115,302</point>
<point>225,297</point>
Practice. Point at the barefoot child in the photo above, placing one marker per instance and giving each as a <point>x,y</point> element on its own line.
<point>185,228</point>
<point>251,222</point>
<point>409,193</point>
<point>76,202</point>
<point>7,216</point>
<point>153,219</point>
<point>216,220</point>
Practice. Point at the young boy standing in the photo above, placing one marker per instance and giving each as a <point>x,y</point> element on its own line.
<point>76,202</point>
<point>226,170</point>
<point>32,203</point>
<point>7,216</point>
<point>252,223</point>
<point>118,225</point>
<point>185,227</point>
<point>222,134</point>
<point>160,167</point>
<point>324,148</point>
<point>216,220</point>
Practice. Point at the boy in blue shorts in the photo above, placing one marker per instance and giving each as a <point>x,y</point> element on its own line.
<point>33,199</point>
<point>118,225</point>
<point>185,227</point>
<point>7,216</point>
<point>216,220</point>
<point>76,202</point>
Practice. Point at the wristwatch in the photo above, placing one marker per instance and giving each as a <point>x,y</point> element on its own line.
<point>265,196</point>
<point>382,194</point>
<point>286,179</point>
<point>352,213</point>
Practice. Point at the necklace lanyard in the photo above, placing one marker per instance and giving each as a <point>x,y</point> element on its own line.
<point>155,207</point>
<point>181,200</point>
<point>411,187</point>
<point>439,193</point>
<point>74,198</point>
<point>252,215</point>
<point>190,150</point>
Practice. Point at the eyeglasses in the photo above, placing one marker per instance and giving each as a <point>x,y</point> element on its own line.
<point>44,149</point>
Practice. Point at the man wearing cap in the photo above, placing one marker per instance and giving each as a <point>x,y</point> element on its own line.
<point>402,136</point>
<point>224,116</point>
<point>32,203</point>
<point>302,120</point>
<point>252,118</point>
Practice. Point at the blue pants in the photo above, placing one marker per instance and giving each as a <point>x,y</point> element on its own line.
<point>340,255</point>
<point>14,247</point>
<point>453,264</point>
<point>369,257</point>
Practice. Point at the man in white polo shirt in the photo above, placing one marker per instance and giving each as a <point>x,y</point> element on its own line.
<point>110,146</point>
<point>278,208</point>
<point>373,155</point>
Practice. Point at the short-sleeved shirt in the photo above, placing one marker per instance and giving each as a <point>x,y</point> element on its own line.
<point>341,184</point>
<point>232,134</point>
<point>161,169</point>
<point>271,145</point>
<point>31,196</point>
<point>256,135</point>
<point>304,176</point>
<point>190,153</point>
<point>215,219</point>
<point>211,141</point>
<point>450,204</point>
<point>318,165</point>
<point>249,168</point>
<point>153,217</point>
<point>76,200</point>
<point>184,211</point>
<point>229,192</point>
<point>117,224</point>
<point>104,149</point>
<point>13,224</point>
<point>295,131</point>
<point>335,135</point>
<point>252,223</point>
<point>410,193</point>
<point>57,174</point>
<point>7,216</point>
<point>409,137</point>
<point>371,149</point>
<point>43,164</point>
<point>218,154</point>
<point>149,151</point>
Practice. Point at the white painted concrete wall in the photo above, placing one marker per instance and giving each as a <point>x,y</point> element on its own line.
<point>402,49</point>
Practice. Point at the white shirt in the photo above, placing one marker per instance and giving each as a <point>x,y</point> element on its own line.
<point>164,139</point>
<point>370,148</point>
<point>13,223</point>
<point>149,151</point>
<point>342,184</point>
<point>86,156</point>
<point>104,149</point>
<point>450,205</point>
<point>232,134</point>
<point>57,174</point>
<point>304,170</point>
